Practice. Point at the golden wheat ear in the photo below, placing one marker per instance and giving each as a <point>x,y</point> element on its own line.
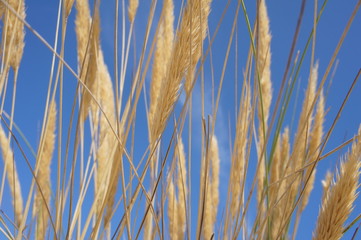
<point>163,52</point>
<point>186,52</point>
<point>212,191</point>
<point>12,175</point>
<point>132,9</point>
<point>314,147</point>
<point>338,202</point>
<point>182,189</point>
<point>172,211</point>
<point>42,199</point>
<point>14,33</point>
<point>265,96</point>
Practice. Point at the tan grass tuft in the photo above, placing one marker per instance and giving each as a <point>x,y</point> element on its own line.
<point>43,175</point>
<point>264,61</point>
<point>13,33</point>
<point>280,209</point>
<point>109,153</point>
<point>199,13</point>
<point>315,142</point>
<point>212,191</point>
<point>89,56</point>
<point>326,183</point>
<point>108,149</point>
<point>177,205</point>
<point>186,51</point>
<point>239,152</point>
<point>264,70</point>
<point>162,56</point>
<point>338,202</point>
<point>12,174</point>
<point>182,190</point>
<point>82,29</point>
<point>132,9</point>
<point>172,212</point>
<point>298,157</point>
<point>275,172</point>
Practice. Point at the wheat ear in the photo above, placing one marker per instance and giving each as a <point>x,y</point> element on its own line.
<point>215,163</point>
<point>14,34</point>
<point>82,30</point>
<point>88,41</point>
<point>108,156</point>
<point>110,153</point>
<point>182,190</point>
<point>132,9</point>
<point>302,137</point>
<point>212,191</point>
<point>239,152</point>
<point>280,211</point>
<point>339,199</point>
<point>172,212</point>
<point>315,142</point>
<point>12,174</point>
<point>195,56</point>
<point>264,70</point>
<point>187,48</point>
<point>42,200</point>
<point>162,56</point>
<point>326,183</point>
<point>275,172</point>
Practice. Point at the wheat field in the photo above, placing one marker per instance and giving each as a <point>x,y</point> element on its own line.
<point>192,119</point>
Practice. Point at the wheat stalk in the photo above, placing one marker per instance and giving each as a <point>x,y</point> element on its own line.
<point>68,6</point>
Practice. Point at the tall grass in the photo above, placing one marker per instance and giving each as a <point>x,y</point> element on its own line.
<point>135,130</point>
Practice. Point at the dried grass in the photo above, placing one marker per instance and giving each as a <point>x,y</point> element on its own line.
<point>341,194</point>
<point>118,134</point>
<point>43,195</point>
<point>263,63</point>
<point>12,175</point>
<point>13,34</point>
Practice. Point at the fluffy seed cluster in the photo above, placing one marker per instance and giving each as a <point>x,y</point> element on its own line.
<point>42,198</point>
<point>177,207</point>
<point>13,32</point>
<point>12,175</point>
<point>338,201</point>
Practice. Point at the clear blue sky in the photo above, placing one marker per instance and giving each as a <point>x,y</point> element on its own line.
<point>36,63</point>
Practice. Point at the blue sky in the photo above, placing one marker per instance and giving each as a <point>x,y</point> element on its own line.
<point>36,63</point>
